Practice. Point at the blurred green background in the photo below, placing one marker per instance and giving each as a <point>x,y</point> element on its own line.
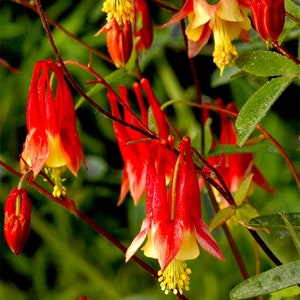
<point>63,257</point>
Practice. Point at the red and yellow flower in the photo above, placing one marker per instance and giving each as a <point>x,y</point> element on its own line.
<point>122,15</point>
<point>52,138</point>
<point>226,20</point>
<point>133,146</point>
<point>234,168</point>
<point>173,223</point>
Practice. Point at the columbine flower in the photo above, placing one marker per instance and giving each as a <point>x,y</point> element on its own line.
<point>234,168</point>
<point>118,30</point>
<point>134,148</point>
<point>17,215</point>
<point>122,15</point>
<point>173,222</point>
<point>268,18</point>
<point>52,139</point>
<point>226,20</point>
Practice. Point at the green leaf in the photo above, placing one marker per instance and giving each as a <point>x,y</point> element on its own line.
<point>257,106</point>
<point>276,221</point>
<point>221,217</point>
<point>267,63</point>
<point>233,149</point>
<point>292,8</point>
<point>208,136</point>
<point>283,234</point>
<point>291,291</point>
<point>292,232</point>
<point>212,2</point>
<point>244,213</point>
<point>242,192</point>
<point>267,282</point>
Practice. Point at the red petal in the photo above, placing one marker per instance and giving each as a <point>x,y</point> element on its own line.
<point>206,240</point>
<point>182,13</point>
<point>138,240</point>
<point>145,33</point>
<point>167,241</point>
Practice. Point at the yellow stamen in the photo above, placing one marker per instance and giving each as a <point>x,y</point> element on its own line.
<point>58,189</point>
<point>175,277</point>
<point>224,53</point>
<point>119,10</point>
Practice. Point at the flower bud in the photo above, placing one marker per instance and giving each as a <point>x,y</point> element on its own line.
<point>268,18</point>
<point>119,42</point>
<point>17,217</point>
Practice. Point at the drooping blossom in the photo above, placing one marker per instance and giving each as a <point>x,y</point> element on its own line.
<point>173,223</point>
<point>234,168</point>
<point>268,17</point>
<point>226,20</point>
<point>17,217</point>
<point>118,30</point>
<point>52,139</point>
<point>134,148</point>
<point>122,15</point>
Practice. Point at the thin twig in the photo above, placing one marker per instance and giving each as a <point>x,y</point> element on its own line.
<point>68,33</point>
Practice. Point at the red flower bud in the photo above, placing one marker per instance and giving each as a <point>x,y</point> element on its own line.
<point>17,217</point>
<point>268,18</point>
<point>119,42</point>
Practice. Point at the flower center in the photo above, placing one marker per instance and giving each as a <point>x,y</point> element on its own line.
<point>54,174</point>
<point>175,277</point>
<point>224,52</point>
<point>119,10</point>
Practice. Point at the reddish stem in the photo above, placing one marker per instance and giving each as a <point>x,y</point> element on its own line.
<point>99,79</point>
<point>285,52</point>
<point>75,84</point>
<point>72,36</point>
<point>266,134</point>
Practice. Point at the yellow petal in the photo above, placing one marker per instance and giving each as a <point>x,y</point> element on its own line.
<point>55,158</point>
<point>189,248</point>
<point>229,10</point>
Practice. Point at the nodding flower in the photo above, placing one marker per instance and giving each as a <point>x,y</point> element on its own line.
<point>234,168</point>
<point>125,21</point>
<point>133,145</point>
<point>173,223</point>
<point>52,139</point>
<point>226,20</point>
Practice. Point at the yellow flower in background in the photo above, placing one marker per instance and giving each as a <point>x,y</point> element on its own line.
<point>226,20</point>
